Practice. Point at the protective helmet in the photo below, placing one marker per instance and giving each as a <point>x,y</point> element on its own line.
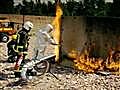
<point>14,37</point>
<point>49,27</point>
<point>28,25</point>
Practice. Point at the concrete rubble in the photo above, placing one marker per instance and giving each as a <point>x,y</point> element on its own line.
<point>69,79</point>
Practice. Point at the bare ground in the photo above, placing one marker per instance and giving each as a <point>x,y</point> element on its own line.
<point>66,79</point>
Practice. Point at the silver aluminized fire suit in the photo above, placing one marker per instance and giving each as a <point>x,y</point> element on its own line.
<point>43,39</point>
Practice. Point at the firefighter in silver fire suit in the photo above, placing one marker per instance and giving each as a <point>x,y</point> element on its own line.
<point>22,44</point>
<point>44,38</point>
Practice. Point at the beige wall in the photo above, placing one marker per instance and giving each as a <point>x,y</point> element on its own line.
<point>38,21</point>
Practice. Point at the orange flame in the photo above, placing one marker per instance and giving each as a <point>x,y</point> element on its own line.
<point>112,64</point>
<point>57,24</point>
<point>90,65</point>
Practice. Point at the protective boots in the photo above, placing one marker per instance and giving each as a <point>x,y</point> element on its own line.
<point>31,72</point>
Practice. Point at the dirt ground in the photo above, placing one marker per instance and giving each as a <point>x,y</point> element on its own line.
<point>62,78</point>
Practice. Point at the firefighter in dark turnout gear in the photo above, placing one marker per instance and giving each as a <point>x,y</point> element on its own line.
<point>22,44</point>
<point>11,52</point>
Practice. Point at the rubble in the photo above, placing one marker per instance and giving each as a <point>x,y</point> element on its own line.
<point>68,79</point>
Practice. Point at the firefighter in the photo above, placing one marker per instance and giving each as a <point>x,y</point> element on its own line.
<point>11,52</point>
<point>22,45</point>
<point>44,38</point>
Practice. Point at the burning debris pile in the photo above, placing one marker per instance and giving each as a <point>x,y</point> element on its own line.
<point>83,61</point>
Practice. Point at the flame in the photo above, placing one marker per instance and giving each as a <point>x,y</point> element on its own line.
<point>114,65</point>
<point>91,65</point>
<point>57,24</point>
<point>87,64</point>
<point>111,64</point>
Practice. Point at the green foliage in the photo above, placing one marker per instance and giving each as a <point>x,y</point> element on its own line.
<point>70,8</point>
<point>94,8</point>
<point>6,6</point>
<point>115,8</point>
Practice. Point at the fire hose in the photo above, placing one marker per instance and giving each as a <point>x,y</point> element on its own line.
<point>32,63</point>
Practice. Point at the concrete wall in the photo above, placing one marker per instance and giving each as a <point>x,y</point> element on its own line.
<point>38,21</point>
<point>73,33</point>
<point>76,31</point>
<point>103,31</point>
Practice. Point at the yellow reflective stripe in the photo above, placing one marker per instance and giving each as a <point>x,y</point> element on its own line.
<point>6,29</point>
<point>16,50</point>
<point>19,46</point>
<point>25,52</point>
<point>26,45</point>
